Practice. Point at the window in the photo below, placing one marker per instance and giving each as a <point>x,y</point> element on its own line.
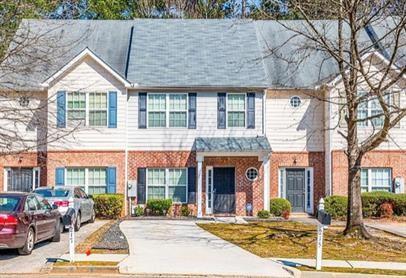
<point>156,184</point>
<point>177,110</point>
<point>91,180</point>
<point>97,109</point>
<point>251,174</point>
<point>295,101</point>
<point>97,181</point>
<point>167,183</point>
<point>156,110</point>
<point>236,110</point>
<point>167,110</point>
<point>76,107</point>
<point>22,179</point>
<point>376,179</point>
<point>177,185</point>
<point>369,108</point>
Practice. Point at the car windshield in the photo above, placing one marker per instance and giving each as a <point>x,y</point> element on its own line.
<point>47,193</point>
<point>8,204</point>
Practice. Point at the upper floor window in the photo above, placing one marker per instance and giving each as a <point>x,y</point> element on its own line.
<point>236,110</point>
<point>92,106</point>
<point>97,109</point>
<point>167,110</point>
<point>369,108</point>
<point>376,179</point>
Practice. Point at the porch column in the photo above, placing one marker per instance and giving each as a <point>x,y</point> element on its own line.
<point>267,188</point>
<point>199,186</point>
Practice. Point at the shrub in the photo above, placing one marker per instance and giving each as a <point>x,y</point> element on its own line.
<point>386,210</point>
<point>108,206</point>
<point>336,206</point>
<point>399,204</point>
<point>159,206</point>
<point>263,214</point>
<point>139,211</point>
<point>371,202</point>
<point>185,211</point>
<point>278,206</point>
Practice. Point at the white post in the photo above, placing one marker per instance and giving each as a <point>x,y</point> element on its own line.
<point>266,164</point>
<point>72,235</point>
<point>199,186</point>
<point>320,230</point>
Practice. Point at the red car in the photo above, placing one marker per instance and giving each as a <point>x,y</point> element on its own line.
<point>25,219</point>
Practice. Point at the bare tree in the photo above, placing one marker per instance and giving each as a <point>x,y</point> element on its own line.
<point>370,67</point>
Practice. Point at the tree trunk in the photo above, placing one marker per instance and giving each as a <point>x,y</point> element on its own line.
<point>355,223</point>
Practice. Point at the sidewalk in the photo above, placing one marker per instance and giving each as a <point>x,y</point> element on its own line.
<point>395,228</point>
<point>97,257</point>
<point>338,263</point>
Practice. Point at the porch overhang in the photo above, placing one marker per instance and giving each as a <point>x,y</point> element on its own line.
<point>232,146</point>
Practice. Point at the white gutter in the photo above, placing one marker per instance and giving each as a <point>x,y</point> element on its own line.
<point>126,157</point>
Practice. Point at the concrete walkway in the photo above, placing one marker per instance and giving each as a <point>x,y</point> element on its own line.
<point>182,248</point>
<point>339,263</point>
<point>96,257</point>
<point>395,228</point>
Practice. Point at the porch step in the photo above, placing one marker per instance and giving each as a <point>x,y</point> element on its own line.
<point>231,219</point>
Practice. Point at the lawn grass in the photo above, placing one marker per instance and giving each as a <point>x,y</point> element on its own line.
<point>298,240</point>
<point>357,270</point>
<point>86,263</point>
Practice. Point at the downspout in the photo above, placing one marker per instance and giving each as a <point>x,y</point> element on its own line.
<point>328,146</point>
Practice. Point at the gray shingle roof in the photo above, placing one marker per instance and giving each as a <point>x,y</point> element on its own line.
<point>176,52</point>
<point>182,53</point>
<point>232,144</point>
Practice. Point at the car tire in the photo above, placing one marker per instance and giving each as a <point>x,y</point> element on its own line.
<point>57,235</point>
<point>78,222</point>
<point>93,217</point>
<point>29,243</point>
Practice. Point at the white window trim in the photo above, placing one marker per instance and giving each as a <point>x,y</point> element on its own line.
<point>246,172</point>
<point>86,185</point>
<point>369,170</point>
<point>167,183</point>
<point>34,169</point>
<point>309,172</point>
<point>97,109</point>
<point>245,111</point>
<point>368,124</point>
<point>87,108</point>
<point>209,210</point>
<point>167,110</point>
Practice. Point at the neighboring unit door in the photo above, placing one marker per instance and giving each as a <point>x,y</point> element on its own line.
<point>295,189</point>
<point>20,179</point>
<point>224,190</point>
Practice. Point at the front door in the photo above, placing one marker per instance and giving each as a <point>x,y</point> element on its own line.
<point>295,189</point>
<point>224,190</point>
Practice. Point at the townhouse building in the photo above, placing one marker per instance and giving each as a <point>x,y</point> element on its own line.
<point>198,111</point>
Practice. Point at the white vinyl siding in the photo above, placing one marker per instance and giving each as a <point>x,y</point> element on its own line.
<point>236,110</point>
<point>167,184</point>
<point>162,139</point>
<point>93,180</point>
<point>90,76</point>
<point>376,179</point>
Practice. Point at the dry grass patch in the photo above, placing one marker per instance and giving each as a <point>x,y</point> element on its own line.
<point>86,263</point>
<point>298,240</point>
<point>357,270</point>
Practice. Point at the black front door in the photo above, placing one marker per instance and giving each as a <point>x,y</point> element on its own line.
<point>295,188</point>
<point>224,190</point>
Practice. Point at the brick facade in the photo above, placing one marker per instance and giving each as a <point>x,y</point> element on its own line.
<point>23,160</point>
<point>87,159</point>
<point>396,160</point>
<point>246,191</point>
<point>299,160</point>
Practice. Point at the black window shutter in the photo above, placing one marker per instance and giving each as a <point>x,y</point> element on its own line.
<point>221,110</point>
<point>250,110</point>
<point>142,110</point>
<point>192,111</point>
<point>141,185</point>
<point>191,177</point>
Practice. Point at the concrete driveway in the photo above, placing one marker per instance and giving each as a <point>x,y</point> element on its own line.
<point>11,262</point>
<point>182,248</point>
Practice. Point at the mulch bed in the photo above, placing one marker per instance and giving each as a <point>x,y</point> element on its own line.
<point>113,239</point>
